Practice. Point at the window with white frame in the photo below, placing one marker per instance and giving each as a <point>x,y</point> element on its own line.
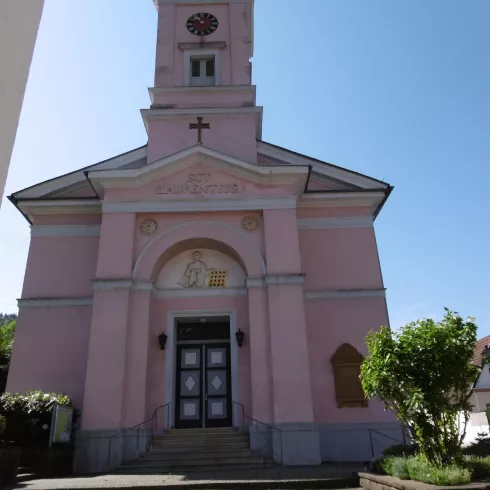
<point>202,71</point>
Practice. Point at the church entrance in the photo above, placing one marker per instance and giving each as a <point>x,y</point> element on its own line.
<point>203,375</point>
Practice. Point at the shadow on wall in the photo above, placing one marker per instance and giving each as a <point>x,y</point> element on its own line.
<point>3,380</point>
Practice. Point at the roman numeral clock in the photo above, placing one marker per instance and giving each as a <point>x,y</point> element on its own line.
<point>202,24</point>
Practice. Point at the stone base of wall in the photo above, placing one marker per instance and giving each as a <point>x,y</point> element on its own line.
<point>357,441</point>
<point>103,451</point>
<point>371,481</point>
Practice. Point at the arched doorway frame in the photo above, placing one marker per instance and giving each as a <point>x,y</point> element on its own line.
<point>148,264</point>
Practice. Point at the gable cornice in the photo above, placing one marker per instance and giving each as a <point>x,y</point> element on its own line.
<point>154,91</point>
<point>31,207</point>
<point>372,199</point>
<point>58,183</point>
<point>322,168</point>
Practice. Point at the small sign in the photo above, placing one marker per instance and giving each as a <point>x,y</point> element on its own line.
<point>61,424</point>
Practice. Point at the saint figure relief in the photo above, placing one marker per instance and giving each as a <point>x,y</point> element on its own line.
<point>196,273</point>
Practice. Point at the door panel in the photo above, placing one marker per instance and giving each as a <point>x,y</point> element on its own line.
<point>188,413</point>
<point>218,386</point>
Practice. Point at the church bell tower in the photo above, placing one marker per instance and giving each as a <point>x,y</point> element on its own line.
<point>203,92</point>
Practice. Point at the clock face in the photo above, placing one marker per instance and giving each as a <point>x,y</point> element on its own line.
<point>202,24</point>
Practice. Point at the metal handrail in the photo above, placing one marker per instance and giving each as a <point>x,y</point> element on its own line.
<point>152,419</point>
<point>371,432</point>
<point>268,426</point>
<point>255,420</point>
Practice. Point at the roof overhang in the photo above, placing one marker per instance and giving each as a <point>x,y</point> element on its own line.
<point>31,207</point>
<point>372,199</point>
<point>323,168</point>
<point>58,183</point>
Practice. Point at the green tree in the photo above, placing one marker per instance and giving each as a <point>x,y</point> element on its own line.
<point>423,374</point>
<point>7,331</point>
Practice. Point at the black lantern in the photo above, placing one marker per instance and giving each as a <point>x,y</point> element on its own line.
<point>240,336</point>
<point>162,340</point>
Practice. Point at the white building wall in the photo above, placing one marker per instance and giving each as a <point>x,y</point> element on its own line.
<point>484,378</point>
<point>19,24</point>
<point>477,423</point>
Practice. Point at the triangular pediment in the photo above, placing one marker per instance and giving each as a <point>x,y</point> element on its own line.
<point>198,166</point>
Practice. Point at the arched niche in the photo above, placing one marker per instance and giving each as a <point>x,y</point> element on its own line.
<point>198,234</point>
<point>215,268</point>
<point>346,364</point>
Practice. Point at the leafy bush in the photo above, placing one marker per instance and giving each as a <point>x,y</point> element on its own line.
<point>418,468</point>
<point>452,474</point>
<point>399,468</point>
<point>429,406</point>
<point>3,424</point>
<point>399,450</point>
<point>386,465</point>
<point>376,465</point>
<point>480,467</point>
<point>29,416</point>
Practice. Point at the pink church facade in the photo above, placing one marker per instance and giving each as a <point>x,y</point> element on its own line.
<point>201,234</point>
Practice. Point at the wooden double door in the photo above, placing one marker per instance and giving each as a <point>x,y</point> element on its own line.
<point>203,387</point>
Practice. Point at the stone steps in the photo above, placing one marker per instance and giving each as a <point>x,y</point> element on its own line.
<point>197,450</point>
<point>180,449</point>
<point>128,470</point>
<point>186,463</point>
<point>195,454</point>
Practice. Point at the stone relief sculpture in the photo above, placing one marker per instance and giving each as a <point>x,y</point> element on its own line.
<point>195,273</point>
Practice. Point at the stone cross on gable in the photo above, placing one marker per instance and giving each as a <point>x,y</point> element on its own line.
<point>199,126</point>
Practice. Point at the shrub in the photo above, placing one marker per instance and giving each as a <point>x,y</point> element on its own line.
<point>386,465</point>
<point>429,406</point>
<point>418,468</point>
<point>452,474</point>
<point>399,468</point>
<point>399,450</point>
<point>377,465</point>
<point>29,416</point>
<point>479,467</point>
<point>3,424</point>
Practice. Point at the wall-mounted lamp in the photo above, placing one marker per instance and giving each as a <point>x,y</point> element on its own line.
<point>162,341</point>
<point>240,336</point>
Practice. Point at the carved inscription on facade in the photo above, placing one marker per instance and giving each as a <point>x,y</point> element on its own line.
<point>198,184</point>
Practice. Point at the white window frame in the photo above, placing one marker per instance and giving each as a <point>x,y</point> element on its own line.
<point>201,53</point>
<point>203,80</point>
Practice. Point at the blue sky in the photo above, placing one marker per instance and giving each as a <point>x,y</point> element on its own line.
<point>396,90</point>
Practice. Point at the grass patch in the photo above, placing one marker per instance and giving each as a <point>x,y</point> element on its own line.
<point>421,470</point>
<point>415,468</point>
<point>480,467</point>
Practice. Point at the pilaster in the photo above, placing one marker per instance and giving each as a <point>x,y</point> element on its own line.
<point>298,441</point>
<point>137,358</point>
<point>106,362</point>
<point>260,352</point>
